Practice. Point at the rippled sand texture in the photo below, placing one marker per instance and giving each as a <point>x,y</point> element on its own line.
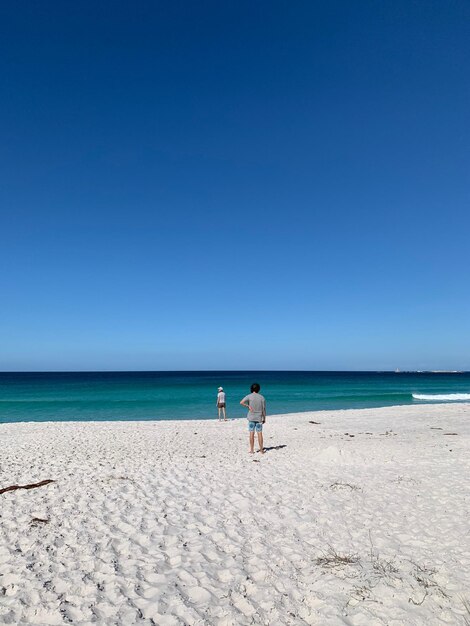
<point>175,523</point>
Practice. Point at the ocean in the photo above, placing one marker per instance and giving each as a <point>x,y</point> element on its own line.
<point>81,396</point>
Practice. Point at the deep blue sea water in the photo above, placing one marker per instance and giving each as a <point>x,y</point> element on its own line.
<point>192,395</point>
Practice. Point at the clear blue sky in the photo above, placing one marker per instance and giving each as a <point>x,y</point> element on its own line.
<point>235,185</point>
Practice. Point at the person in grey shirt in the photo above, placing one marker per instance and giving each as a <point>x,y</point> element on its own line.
<point>256,405</point>
<point>221,403</point>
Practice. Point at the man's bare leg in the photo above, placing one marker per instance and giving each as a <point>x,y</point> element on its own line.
<point>225,416</point>
<point>219,414</point>
<point>260,442</point>
<point>252,442</point>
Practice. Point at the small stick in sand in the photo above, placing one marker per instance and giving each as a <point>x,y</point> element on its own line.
<point>31,486</point>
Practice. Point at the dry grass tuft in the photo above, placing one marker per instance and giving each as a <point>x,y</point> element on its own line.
<point>383,568</point>
<point>466,606</point>
<point>423,576</point>
<point>333,559</point>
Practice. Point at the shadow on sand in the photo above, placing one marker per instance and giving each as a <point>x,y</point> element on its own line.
<point>269,448</point>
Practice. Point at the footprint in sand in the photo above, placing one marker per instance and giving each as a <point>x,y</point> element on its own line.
<point>198,595</point>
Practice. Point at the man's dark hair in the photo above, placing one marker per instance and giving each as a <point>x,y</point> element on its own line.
<point>255,388</point>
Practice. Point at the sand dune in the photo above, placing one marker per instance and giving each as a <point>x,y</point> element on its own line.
<point>173,523</point>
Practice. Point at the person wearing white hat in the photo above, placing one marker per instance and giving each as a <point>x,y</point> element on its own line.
<point>221,404</point>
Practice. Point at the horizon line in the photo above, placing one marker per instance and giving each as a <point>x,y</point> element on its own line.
<point>202,371</point>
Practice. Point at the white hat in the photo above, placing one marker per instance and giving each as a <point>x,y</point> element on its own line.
<point>220,389</point>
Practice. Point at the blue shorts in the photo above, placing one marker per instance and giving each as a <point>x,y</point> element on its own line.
<point>252,426</point>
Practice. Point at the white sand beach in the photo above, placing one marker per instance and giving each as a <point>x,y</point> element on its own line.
<point>362,519</point>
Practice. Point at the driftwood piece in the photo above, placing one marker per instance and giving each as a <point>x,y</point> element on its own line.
<point>31,486</point>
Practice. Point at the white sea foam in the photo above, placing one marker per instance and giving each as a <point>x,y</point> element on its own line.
<point>443,396</point>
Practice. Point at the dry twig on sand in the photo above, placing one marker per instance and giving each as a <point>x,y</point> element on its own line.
<point>340,485</point>
<point>31,486</point>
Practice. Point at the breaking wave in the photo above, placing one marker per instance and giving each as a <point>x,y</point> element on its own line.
<point>443,396</point>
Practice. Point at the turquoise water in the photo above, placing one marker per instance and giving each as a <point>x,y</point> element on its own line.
<point>192,395</point>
